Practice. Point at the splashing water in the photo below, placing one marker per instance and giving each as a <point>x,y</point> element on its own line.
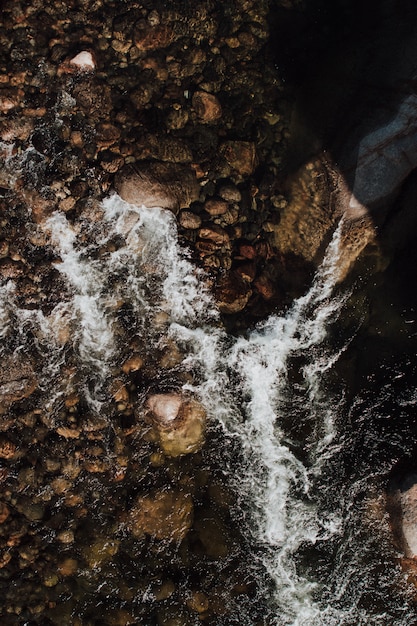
<point>132,257</point>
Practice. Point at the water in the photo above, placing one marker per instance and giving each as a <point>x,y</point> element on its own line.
<point>320,556</point>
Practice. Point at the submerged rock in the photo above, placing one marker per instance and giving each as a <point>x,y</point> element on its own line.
<point>179,422</point>
<point>165,185</point>
<point>17,381</point>
<point>163,515</point>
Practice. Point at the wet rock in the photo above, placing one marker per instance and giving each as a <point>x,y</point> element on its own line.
<point>216,207</point>
<point>10,98</point>
<point>17,381</point>
<point>189,220</point>
<point>101,552</point>
<point>67,567</point>
<point>132,364</point>
<point>84,61</point>
<point>230,193</point>
<point>163,515</point>
<point>149,37</point>
<point>4,512</point>
<point>198,602</point>
<point>179,422</point>
<point>241,156</point>
<point>166,149</point>
<point>232,293</point>
<point>264,286</point>
<point>309,218</point>
<point>164,591</point>
<point>207,107</point>
<point>169,186</point>
<point>214,233</point>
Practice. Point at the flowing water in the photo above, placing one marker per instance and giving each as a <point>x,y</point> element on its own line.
<point>309,514</point>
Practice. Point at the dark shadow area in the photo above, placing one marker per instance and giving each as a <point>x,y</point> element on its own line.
<point>350,66</point>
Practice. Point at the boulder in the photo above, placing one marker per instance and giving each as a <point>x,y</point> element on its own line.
<point>156,184</point>
<point>179,422</point>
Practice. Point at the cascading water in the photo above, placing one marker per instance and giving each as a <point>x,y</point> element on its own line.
<point>268,393</point>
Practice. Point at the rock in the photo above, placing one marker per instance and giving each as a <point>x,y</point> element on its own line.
<point>232,293</point>
<point>152,37</point>
<point>215,234</point>
<point>230,193</point>
<point>216,207</point>
<point>17,381</point>
<point>84,61</point>
<point>10,98</point>
<point>4,512</point>
<point>67,567</point>
<point>241,156</point>
<point>264,287</point>
<point>386,156</point>
<point>310,217</point>
<point>166,149</point>
<point>198,602</point>
<point>100,552</point>
<point>132,364</point>
<point>169,186</point>
<point>189,220</point>
<point>179,422</point>
<point>163,515</point>
<point>207,107</point>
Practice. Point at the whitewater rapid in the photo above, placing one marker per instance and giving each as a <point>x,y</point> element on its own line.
<point>131,256</point>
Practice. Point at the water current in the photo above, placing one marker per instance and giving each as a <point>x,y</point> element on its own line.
<point>316,531</point>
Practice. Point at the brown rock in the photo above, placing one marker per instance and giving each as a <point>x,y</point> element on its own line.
<point>167,149</point>
<point>179,422</point>
<point>67,567</point>
<point>247,251</point>
<point>132,364</point>
<point>4,512</point>
<point>309,217</point>
<point>247,271</point>
<point>10,98</point>
<point>230,193</point>
<point>216,207</point>
<point>7,448</point>
<point>207,107</point>
<point>163,515</point>
<point>232,293</point>
<point>68,433</point>
<point>152,37</point>
<point>264,286</point>
<point>106,135</point>
<point>215,234</point>
<point>17,381</point>
<point>241,156</point>
<point>169,186</point>
<point>189,220</point>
